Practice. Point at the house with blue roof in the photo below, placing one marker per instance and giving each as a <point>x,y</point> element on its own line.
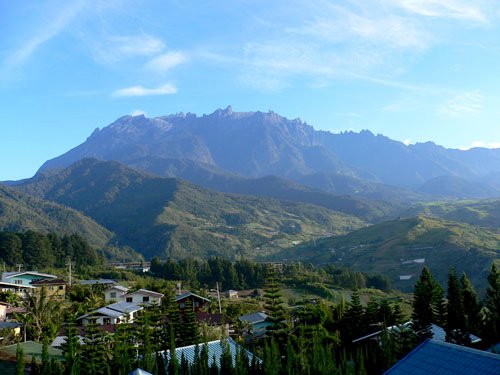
<point>256,322</point>
<point>438,357</point>
<point>25,278</point>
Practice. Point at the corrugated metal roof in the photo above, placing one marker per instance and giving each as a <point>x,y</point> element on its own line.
<point>59,340</point>
<point>185,295</point>
<point>254,318</point>
<point>121,288</point>
<point>436,357</point>
<point>215,350</point>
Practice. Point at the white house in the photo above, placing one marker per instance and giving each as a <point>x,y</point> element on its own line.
<point>143,297</point>
<point>115,293</point>
<point>116,313</point>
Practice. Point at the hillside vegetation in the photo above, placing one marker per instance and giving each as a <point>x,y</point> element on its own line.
<point>402,247</point>
<point>173,218</point>
<point>20,212</point>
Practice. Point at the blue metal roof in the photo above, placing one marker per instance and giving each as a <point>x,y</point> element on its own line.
<point>254,318</point>
<point>215,349</point>
<point>436,357</point>
<point>139,371</point>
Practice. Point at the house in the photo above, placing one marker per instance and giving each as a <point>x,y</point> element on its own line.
<point>3,310</point>
<point>18,289</point>
<point>56,288</point>
<point>198,302</point>
<point>115,293</point>
<point>139,371</point>
<point>232,294</point>
<point>143,297</point>
<point>437,357</point>
<point>257,323</point>
<point>25,278</point>
<point>12,327</point>
<point>116,313</point>
<point>215,350</point>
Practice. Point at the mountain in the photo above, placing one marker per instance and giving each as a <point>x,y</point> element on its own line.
<point>400,248</point>
<point>257,144</point>
<point>173,218</point>
<point>20,212</point>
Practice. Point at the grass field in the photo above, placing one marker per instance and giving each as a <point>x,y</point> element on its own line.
<point>30,349</point>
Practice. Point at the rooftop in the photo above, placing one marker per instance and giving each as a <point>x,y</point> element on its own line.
<point>254,318</point>
<point>188,294</point>
<point>437,357</point>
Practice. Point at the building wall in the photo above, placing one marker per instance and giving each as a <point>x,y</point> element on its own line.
<point>138,299</point>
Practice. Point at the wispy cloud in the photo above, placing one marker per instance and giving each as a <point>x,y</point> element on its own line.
<point>61,18</point>
<point>461,104</point>
<point>143,91</point>
<point>114,48</point>
<point>481,144</point>
<point>466,10</point>
<point>166,61</point>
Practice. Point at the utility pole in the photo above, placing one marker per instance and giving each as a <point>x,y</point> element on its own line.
<point>69,264</point>
<point>218,297</point>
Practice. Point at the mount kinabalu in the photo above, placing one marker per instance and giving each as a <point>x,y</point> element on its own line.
<point>227,144</point>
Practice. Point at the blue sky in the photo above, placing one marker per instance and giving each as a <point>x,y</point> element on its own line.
<point>413,70</point>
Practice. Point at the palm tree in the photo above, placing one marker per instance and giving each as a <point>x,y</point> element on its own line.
<point>42,315</point>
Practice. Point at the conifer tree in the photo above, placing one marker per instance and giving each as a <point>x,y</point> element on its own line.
<point>46,368</point>
<point>423,312</point>
<point>20,362</point>
<point>273,305</point>
<point>471,304</point>
<point>226,359</point>
<point>492,304</point>
<point>354,317</point>
<point>190,333</point>
<point>455,328</point>
<point>173,364</point>
<point>70,349</point>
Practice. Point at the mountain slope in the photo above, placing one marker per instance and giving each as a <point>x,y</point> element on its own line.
<point>256,144</point>
<point>402,247</point>
<point>20,213</point>
<point>170,217</point>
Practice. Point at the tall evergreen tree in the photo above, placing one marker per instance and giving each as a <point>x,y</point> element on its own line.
<point>70,349</point>
<point>423,312</point>
<point>273,305</point>
<point>471,304</point>
<point>354,317</point>
<point>20,362</point>
<point>456,331</point>
<point>492,305</point>
<point>190,333</point>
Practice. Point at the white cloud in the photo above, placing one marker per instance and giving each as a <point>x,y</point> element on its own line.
<point>137,112</point>
<point>143,91</point>
<point>459,9</point>
<point>481,144</point>
<point>166,61</point>
<point>111,49</point>
<point>461,104</point>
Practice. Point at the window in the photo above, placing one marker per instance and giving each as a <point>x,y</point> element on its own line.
<point>61,287</point>
<point>106,321</point>
<point>112,295</point>
<point>129,299</point>
<point>51,287</point>
<point>145,299</point>
<point>18,282</point>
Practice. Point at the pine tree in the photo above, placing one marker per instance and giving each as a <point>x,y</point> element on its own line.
<point>423,312</point>
<point>46,368</point>
<point>70,349</point>
<point>20,362</point>
<point>455,328</point>
<point>471,304</point>
<point>354,317</point>
<point>492,304</point>
<point>273,305</point>
<point>190,333</point>
<point>173,364</point>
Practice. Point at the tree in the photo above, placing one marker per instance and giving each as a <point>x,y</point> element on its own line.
<point>456,331</point>
<point>190,333</point>
<point>423,312</point>
<point>20,362</point>
<point>492,305</point>
<point>471,304</point>
<point>70,349</point>
<point>354,317</point>
<point>273,305</point>
<point>42,311</point>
